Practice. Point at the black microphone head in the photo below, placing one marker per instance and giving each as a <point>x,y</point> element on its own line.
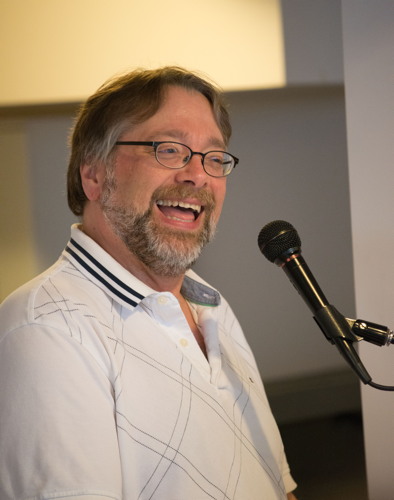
<point>276,238</point>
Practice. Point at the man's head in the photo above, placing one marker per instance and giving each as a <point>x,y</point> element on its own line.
<point>118,105</point>
<point>158,205</point>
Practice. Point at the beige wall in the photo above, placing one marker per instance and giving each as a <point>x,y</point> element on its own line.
<point>61,51</point>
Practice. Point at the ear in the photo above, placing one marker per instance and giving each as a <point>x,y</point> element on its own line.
<point>92,178</point>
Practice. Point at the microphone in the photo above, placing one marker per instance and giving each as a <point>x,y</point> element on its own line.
<point>279,243</point>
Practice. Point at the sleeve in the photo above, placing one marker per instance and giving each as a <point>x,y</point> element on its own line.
<point>290,484</point>
<point>55,401</point>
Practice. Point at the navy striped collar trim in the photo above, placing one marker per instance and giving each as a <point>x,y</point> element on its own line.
<point>103,275</point>
<point>192,290</point>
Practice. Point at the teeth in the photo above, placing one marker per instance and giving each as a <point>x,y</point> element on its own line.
<point>169,203</point>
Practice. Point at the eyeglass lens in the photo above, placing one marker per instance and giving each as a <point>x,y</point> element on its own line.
<point>173,155</point>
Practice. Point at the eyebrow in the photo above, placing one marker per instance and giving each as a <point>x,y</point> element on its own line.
<point>177,135</point>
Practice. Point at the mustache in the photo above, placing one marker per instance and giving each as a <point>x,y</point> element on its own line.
<point>205,197</point>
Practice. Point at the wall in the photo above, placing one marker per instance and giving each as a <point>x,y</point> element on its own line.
<point>312,34</point>
<point>34,216</point>
<point>54,51</point>
<point>17,254</point>
<point>368,29</point>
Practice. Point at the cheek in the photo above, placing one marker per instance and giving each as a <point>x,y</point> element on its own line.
<point>133,195</point>
<point>133,189</point>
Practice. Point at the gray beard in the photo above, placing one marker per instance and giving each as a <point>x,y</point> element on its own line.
<point>167,252</point>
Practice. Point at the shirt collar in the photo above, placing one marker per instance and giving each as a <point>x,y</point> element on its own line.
<point>98,266</point>
<point>194,290</point>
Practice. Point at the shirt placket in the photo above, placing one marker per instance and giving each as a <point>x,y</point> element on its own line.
<point>165,309</point>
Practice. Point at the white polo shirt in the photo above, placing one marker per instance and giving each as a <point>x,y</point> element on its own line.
<point>104,392</point>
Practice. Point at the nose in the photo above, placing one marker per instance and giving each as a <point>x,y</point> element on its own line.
<point>193,172</point>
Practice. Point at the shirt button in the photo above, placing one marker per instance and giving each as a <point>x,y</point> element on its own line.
<point>162,300</point>
<point>184,342</point>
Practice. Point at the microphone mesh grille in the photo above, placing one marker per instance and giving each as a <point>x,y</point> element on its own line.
<point>277,237</point>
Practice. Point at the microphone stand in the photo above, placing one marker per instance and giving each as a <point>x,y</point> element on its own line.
<point>371,332</point>
<point>342,332</point>
<point>279,243</point>
<point>375,334</point>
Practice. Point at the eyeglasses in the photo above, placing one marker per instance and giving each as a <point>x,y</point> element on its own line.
<point>176,155</point>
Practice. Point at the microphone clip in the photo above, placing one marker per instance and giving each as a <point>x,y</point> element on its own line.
<point>371,332</point>
<point>337,330</point>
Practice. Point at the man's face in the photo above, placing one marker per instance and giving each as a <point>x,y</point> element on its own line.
<point>166,216</point>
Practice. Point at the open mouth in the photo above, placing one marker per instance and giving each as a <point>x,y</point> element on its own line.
<point>179,210</point>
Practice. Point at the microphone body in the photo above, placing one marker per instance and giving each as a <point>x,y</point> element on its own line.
<point>279,242</point>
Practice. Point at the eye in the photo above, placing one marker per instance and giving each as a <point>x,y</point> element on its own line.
<point>168,151</point>
<point>169,148</point>
<point>216,159</point>
<point>172,154</point>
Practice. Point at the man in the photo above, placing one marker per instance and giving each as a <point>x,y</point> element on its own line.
<point>123,374</point>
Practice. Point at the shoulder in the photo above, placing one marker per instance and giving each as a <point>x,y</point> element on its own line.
<point>22,307</point>
<point>52,317</point>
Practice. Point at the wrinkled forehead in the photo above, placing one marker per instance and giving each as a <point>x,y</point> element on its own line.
<point>182,113</point>
<point>167,99</point>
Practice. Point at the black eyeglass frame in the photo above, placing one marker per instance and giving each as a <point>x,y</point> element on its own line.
<point>155,144</point>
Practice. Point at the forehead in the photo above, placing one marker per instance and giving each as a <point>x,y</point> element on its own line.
<point>183,112</point>
<point>181,103</point>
